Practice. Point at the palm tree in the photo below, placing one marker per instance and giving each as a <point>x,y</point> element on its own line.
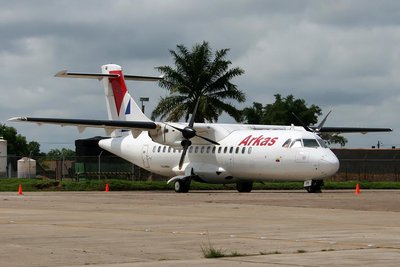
<point>198,76</point>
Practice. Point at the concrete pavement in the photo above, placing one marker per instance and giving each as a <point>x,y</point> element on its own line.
<point>269,228</point>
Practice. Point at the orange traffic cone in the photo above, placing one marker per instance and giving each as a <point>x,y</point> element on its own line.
<point>20,189</point>
<point>357,189</point>
<point>107,188</point>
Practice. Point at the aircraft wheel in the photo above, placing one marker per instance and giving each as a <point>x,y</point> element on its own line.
<point>315,186</point>
<point>182,186</point>
<point>244,187</point>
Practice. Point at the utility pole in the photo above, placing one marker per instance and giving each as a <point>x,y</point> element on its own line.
<point>379,144</point>
<point>144,99</point>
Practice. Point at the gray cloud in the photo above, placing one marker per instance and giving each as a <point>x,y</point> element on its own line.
<point>341,55</point>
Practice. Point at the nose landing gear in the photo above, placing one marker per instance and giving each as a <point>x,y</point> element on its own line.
<point>313,186</point>
<point>244,187</point>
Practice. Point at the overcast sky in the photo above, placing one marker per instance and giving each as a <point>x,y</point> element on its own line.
<point>339,55</point>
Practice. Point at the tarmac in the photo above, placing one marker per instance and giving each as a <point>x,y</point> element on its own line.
<point>262,228</point>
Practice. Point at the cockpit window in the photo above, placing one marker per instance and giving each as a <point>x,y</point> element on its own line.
<point>287,143</point>
<point>310,143</point>
<point>322,142</point>
<point>296,143</point>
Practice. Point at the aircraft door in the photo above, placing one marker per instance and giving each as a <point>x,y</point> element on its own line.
<point>145,156</point>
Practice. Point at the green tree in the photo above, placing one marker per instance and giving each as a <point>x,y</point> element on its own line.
<point>17,144</point>
<point>198,74</point>
<point>254,114</point>
<point>34,149</point>
<point>57,154</point>
<point>334,138</point>
<point>281,111</point>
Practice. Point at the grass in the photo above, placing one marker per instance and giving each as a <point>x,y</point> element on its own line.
<point>126,185</point>
<point>211,252</point>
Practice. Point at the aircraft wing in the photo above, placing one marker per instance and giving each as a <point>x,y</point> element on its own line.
<point>350,129</point>
<point>108,125</point>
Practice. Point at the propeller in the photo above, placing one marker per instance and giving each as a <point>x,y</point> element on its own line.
<point>302,123</point>
<point>318,128</point>
<point>188,133</point>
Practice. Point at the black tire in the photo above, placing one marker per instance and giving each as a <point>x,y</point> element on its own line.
<point>244,187</point>
<point>182,186</point>
<point>315,186</point>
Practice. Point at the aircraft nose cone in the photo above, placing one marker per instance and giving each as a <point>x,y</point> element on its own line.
<point>329,164</point>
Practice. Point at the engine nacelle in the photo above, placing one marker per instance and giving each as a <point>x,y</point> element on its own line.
<point>167,135</point>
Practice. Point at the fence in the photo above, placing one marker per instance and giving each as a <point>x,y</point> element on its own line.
<point>362,165</point>
<point>368,164</point>
<point>78,168</point>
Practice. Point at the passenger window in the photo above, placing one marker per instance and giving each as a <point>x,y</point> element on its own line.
<point>159,149</point>
<point>208,149</point>
<point>243,150</point>
<point>287,143</point>
<point>202,150</point>
<point>213,150</point>
<point>169,149</point>
<point>190,149</point>
<point>249,151</point>
<point>154,149</point>
<point>164,148</point>
<point>310,143</point>
<point>231,150</point>
<point>196,149</point>
<point>225,149</point>
<point>219,149</point>
<point>296,143</point>
<point>237,150</point>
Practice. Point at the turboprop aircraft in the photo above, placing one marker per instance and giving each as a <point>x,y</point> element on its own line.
<point>206,152</point>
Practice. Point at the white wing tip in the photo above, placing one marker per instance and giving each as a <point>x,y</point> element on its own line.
<point>62,73</point>
<point>17,119</point>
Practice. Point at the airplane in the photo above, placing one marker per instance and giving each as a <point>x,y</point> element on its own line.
<point>238,154</point>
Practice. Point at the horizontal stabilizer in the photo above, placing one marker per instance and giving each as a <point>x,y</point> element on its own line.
<point>99,76</point>
<point>90,123</point>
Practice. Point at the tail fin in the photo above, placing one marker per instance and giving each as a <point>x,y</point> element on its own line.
<point>120,104</point>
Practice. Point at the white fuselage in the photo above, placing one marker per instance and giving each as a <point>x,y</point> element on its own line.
<point>255,155</point>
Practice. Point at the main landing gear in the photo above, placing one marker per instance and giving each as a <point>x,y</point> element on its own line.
<point>244,187</point>
<point>313,186</point>
<point>182,186</point>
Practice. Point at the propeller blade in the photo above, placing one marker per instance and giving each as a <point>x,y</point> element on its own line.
<point>191,122</point>
<point>302,123</point>
<point>207,139</point>
<point>323,122</point>
<point>185,147</point>
<point>176,128</point>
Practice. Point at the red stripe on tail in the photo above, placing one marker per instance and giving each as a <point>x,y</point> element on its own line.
<point>119,88</point>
